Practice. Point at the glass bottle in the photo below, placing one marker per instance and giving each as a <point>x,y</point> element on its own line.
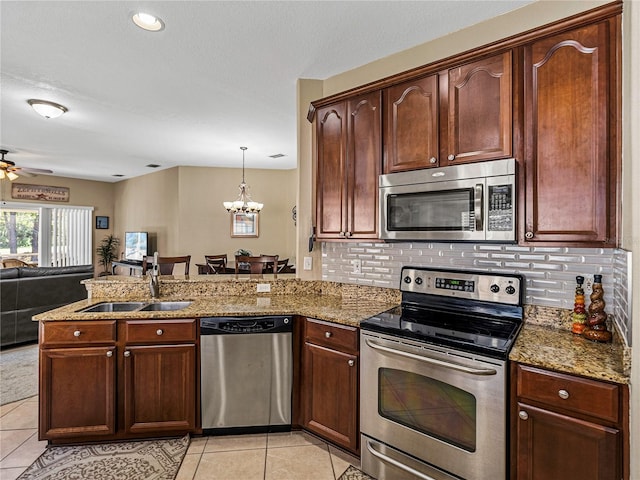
<point>579,314</point>
<point>596,322</point>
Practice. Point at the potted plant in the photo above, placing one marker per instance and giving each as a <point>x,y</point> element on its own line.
<point>108,252</point>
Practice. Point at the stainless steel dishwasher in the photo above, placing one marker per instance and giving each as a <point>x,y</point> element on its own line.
<point>246,374</point>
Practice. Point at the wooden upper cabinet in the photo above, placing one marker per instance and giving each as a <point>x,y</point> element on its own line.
<point>459,115</point>
<point>571,154</point>
<point>348,164</point>
<point>411,125</point>
<point>479,122</point>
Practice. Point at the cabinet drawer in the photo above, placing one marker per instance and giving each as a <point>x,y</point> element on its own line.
<point>77,333</point>
<point>165,331</point>
<point>331,335</point>
<point>575,394</point>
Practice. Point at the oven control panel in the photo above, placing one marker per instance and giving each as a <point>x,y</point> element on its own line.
<point>488,287</point>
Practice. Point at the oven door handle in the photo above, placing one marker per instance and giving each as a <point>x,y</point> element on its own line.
<point>396,463</point>
<point>434,361</point>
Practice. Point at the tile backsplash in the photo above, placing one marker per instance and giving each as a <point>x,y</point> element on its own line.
<point>550,272</point>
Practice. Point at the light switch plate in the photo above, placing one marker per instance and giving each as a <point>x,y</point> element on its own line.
<point>356,263</point>
<point>308,263</point>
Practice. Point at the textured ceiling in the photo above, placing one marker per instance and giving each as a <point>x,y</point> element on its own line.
<point>220,75</point>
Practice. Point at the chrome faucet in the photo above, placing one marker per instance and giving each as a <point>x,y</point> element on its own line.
<point>154,279</point>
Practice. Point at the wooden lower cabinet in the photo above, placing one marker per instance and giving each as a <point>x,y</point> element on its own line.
<point>329,383</point>
<point>141,382</point>
<point>159,392</point>
<point>77,392</point>
<point>567,427</point>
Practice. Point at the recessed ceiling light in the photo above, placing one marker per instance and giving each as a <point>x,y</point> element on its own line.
<point>47,109</point>
<point>148,22</point>
<point>277,155</point>
<point>117,175</point>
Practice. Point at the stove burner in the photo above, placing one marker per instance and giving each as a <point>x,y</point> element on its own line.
<point>442,318</point>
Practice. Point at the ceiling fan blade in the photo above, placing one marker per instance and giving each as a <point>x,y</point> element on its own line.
<point>25,170</point>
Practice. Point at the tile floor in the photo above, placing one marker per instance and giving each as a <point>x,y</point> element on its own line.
<point>275,456</point>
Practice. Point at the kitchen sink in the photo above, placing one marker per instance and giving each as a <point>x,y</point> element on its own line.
<point>113,307</point>
<point>164,306</point>
<point>136,307</point>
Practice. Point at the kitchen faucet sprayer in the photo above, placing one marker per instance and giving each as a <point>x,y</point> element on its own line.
<point>154,280</point>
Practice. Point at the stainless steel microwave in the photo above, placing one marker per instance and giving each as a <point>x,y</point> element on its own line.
<point>470,202</point>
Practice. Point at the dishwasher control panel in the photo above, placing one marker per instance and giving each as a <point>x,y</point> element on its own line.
<point>235,325</point>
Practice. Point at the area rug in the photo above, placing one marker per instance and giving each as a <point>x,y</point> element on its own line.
<point>353,473</point>
<point>18,373</point>
<point>139,460</point>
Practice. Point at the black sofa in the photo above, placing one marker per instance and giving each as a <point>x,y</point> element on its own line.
<point>25,292</point>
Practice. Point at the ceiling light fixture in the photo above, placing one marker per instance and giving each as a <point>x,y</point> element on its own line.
<point>244,203</point>
<point>148,22</point>
<point>47,109</point>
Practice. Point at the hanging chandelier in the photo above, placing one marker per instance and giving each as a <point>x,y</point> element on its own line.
<point>244,203</point>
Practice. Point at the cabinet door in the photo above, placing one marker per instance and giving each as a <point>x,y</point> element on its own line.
<point>570,167</point>
<point>364,165</point>
<point>411,125</point>
<point>77,392</point>
<point>551,445</point>
<point>331,139</point>
<point>159,388</point>
<point>479,120</point>
<point>330,395</point>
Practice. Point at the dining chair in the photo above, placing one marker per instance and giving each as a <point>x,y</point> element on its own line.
<point>216,263</point>
<point>258,264</point>
<point>166,264</point>
<point>282,264</point>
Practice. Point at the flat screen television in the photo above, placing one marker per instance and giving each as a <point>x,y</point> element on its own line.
<point>136,246</point>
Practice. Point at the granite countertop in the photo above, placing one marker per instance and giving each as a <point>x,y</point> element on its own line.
<point>545,340</point>
<point>332,308</point>
<point>560,350</point>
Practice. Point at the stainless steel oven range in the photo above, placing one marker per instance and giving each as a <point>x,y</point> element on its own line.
<point>433,378</point>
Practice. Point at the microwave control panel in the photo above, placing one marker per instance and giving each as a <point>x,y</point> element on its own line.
<point>500,218</point>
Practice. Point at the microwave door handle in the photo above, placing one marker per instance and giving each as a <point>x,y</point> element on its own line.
<point>477,206</point>
<point>427,359</point>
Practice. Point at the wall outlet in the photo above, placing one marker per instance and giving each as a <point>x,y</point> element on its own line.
<point>588,284</point>
<point>356,263</point>
<point>264,287</point>
<point>308,263</point>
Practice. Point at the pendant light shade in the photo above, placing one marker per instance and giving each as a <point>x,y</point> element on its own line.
<point>244,203</point>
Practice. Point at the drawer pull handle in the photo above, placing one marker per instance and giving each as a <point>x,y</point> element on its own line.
<point>523,415</point>
<point>351,363</point>
<point>563,394</point>
<point>76,333</point>
<point>127,353</point>
<point>327,334</point>
<point>109,354</point>
<point>159,331</point>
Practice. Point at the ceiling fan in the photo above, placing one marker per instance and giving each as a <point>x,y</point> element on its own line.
<point>9,170</point>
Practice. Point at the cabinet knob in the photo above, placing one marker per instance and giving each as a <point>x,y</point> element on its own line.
<point>451,157</point>
<point>528,235</point>
<point>563,394</point>
<point>433,160</point>
<point>348,234</point>
<point>159,331</point>
<point>109,354</point>
<point>76,333</point>
<point>523,415</point>
<point>351,363</point>
<point>127,353</point>
<point>341,234</point>
<point>327,334</point>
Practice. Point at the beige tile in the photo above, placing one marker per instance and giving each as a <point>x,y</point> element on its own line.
<point>292,439</point>
<point>341,460</point>
<point>189,466</point>
<point>11,473</point>
<point>26,454</point>
<point>236,465</point>
<point>197,445</point>
<point>310,462</point>
<point>12,439</point>
<point>4,409</point>
<point>24,415</point>
<point>236,442</point>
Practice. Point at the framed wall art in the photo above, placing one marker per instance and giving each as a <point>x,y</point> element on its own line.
<point>244,224</point>
<point>102,223</point>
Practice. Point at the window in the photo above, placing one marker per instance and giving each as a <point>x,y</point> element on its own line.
<point>46,235</point>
